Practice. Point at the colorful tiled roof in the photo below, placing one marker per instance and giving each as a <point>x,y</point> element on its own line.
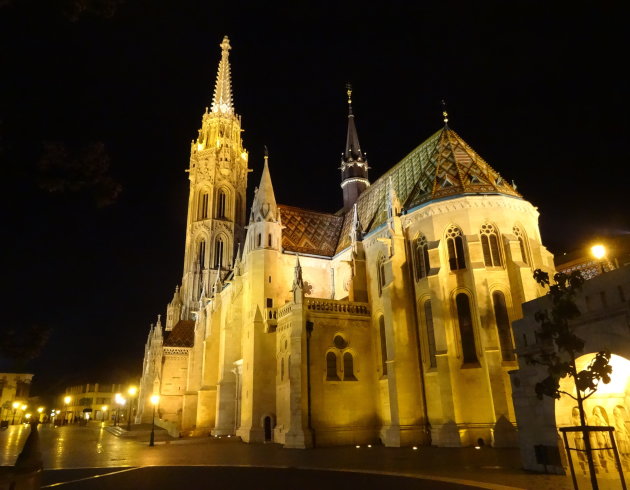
<point>442,166</point>
<point>182,335</point>
<point>309,232</point>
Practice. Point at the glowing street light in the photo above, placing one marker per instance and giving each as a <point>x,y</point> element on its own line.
<point>103,410</point>
<point>120,401</point>
<point>155,399</point>
<point>16,405</point>
<point>132,393</point>
<point>41,411</point>
<point>599,252</point>
<point>66,401</point>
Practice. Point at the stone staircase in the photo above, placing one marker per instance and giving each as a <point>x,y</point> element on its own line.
<point>139,432</point>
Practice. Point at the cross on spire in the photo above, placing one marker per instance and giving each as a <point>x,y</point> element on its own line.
<point>222,100</point>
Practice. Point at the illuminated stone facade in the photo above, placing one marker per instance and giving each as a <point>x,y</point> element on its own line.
<point>389,320</point>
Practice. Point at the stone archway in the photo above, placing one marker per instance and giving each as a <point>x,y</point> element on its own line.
<point>609,406</point>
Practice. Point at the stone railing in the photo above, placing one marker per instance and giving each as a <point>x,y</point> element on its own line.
<point>331,306</point>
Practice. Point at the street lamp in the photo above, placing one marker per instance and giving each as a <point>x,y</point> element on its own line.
<point>599,252</point>
<point>118,398</point>
<point>15,407</point>
<point>132,393</point>
<point>155,399</point>
<point>40,410</point>
<point>66,402</point>
<point>23,407</point>
<point>28,417</point>
<point>103,410</point>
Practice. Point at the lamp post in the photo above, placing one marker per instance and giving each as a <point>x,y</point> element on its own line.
<point>41,411</point>
<point>103,410</point>
<point>66,402</point>
<point>24,407</point>
<point>132,393</point>
<point>155,399</point>
<point>15,407</point>
<point>599,252</point>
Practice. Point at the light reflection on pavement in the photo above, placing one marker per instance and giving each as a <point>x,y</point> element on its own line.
<point>71,447</point>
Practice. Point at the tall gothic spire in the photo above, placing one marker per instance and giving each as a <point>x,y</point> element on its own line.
<point>222,101</point>
<point>354,165</point>
<point>353,148</point>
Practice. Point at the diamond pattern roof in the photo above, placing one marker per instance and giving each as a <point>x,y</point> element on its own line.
<point>309,232</point>
<point>182,335</point>
<point>443,165</point>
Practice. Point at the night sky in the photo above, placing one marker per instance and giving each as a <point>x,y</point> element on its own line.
<point>100,100</point>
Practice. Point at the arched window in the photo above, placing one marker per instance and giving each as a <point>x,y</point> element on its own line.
<point>428,318</point>
<point>281,369</point>
<point>503,326</point>
<point>331,367</point>
<point>466,331</point>
<point>221,204</point>
<point>490,246</point>
<point>381,328</point>
<point>218,253</point>
<point>380,271</point>
<point>203,206</point>
<point>522,241</point>
<point>348,367</point>
<point>421,257</point>
<point>455,244</point>
<point>258,239</point>
<point>201,254</point>
<point>269,240</point>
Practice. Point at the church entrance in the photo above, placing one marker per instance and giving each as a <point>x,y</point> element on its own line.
<point>267,426</point>
<point>608,407</point>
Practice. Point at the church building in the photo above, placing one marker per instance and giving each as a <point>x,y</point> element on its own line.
<point>389,320</point>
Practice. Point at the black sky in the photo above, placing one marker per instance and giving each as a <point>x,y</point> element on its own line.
<point>538,89</point>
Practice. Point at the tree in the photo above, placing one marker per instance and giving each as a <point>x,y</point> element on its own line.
<point>560,346</point>
<point>22,345</point>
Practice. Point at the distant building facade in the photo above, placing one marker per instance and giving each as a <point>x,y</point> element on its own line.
<point>87,401</point>
<point>388,320</point>
<point>14,387</point>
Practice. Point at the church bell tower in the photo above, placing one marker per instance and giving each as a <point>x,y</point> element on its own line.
<point>216,204</point>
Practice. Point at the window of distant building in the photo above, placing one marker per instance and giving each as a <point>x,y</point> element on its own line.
<point>201,254</point>
<point>331,367</point>
<point>490,246</point>
<point>383,341</point>
<point>522,241</point>
<point>203,206</point>
<point>428,320</point>
<point>221,204</point>
<point>218,253</point>
<point>455,245</point>
<point>466,331</point>
<point>503,326</point>
<point>421,257</point>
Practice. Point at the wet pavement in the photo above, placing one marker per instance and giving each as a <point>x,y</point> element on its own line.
<point>91,450</point>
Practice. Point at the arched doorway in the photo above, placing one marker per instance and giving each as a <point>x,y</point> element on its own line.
<point>267,427</point>
<point>609,406</point>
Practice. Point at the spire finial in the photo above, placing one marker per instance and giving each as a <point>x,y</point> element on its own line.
<point>444,113</point>
<point>349,92</point>
<point>222,100</point>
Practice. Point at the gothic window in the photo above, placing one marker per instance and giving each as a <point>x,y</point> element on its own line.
<point>455,245</point>
<point>428,318</point>
<point>218,253</point>
<point>258,240</point>
<point>269,240</point>
<point>503,326</point>
<point>348,367</point>
<point>381,327</point>
<point>201,255</point>
<point>522,241</point>
<point>203,206</point>
<point>466,331</point>
<point>281,369</point>
<point>221,204</point>
<point>380,271</point>
<point>490,246</point>
<point>421,257</point>
<point>331,367</point>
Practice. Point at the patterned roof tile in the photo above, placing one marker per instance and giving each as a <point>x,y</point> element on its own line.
<point>309,232</point>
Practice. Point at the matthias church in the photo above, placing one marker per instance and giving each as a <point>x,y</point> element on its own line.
<point>388,320</point>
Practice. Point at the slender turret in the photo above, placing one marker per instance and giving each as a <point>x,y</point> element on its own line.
<point>354,165</point>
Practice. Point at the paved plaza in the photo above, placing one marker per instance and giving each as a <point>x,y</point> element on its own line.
<point>73,455</point>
